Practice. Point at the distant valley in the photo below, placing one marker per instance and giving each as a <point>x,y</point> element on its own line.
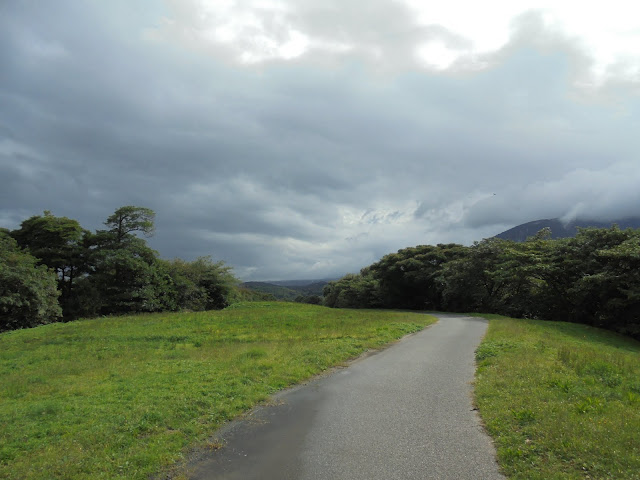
<point>289,290</point>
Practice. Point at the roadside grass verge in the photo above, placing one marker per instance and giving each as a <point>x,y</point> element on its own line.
<point>127,397</point>
<point>561,400</point>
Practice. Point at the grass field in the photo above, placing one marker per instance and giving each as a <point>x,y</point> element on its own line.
<point>562,401</point>
<point>126,397</point>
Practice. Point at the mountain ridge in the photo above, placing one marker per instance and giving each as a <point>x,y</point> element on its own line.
<point>288,289</point>
<point>560,229</point>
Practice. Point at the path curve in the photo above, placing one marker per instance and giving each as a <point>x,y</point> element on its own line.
<point>403,413</point>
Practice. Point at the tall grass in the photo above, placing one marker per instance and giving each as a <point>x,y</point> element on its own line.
<point>561,400</point>
<point>126,397</point>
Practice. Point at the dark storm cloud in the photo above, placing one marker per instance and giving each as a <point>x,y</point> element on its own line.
<point>307,168</point>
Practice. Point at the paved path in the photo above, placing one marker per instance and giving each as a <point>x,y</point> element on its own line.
<point>403,413</point>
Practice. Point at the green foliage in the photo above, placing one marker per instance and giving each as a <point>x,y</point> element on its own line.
<point>28,293</point>
<point>110,272</point>
<point>470,282</point>
<point>127,397</point>
<point>53,240</point>
<point>126,220</point>
<point>241,294</point>
<point>202,284</point>
<point>129,277</point>
<point>310,299</point>
<point>126,271</point>
<point>411,278</point>
<point>353,291</point>
<point>560,400</point>
<point>277,292</point>
<point>593,278</point>
<point>288,292</point>
<point>60,244</point>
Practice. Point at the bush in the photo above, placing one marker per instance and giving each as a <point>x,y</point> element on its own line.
<point>28,292</point>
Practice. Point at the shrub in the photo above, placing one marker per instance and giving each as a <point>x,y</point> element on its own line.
<point>28,292</point>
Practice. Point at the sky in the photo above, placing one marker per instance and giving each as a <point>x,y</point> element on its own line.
<point>298,139</point>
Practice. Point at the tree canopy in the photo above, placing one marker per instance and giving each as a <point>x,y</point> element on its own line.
<point>58,243</point>
<point>52,266</point>
<point>28,293</point>
<point>128,219</point>
<point>593,278</point>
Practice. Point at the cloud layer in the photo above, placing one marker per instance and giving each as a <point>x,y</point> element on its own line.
<point>294,140</point>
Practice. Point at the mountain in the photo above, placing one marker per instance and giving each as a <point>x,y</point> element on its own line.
<point>560,229</point>
<point>289,289</point>
<point>300,283</point>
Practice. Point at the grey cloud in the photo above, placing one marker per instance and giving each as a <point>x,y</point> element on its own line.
<point>608,193</point>
<point>307,168</point>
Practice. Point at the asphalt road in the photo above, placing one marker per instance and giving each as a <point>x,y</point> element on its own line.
<point>403,413</point>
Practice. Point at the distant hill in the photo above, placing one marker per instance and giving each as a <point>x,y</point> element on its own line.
<point>300,283</point>
<point>560,229</point>
<point>288,289</point>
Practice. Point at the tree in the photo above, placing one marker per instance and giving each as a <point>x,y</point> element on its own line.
<point>129,219</point>
<point>28,293</point>
<point>353,291</point>
<point>202,284</point>
<point>111,271</point>
<point>410,278</point>
<point>621,278</point>
<point>310,299</point>
<point>58,243</point>
<point>127,272</point>
<point>595,268</point>
<point>217,281</point>
<point>593,278</point>
<point>130,278</point>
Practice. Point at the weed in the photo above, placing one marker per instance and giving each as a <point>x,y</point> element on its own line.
<point>562,384</point>
<point>634,386</point>
<point>493,349</point>
<point>568,410</point>
<point>213,445</point>
<point>524,417</point>
<point>589,404</point>
<point>632,398</point>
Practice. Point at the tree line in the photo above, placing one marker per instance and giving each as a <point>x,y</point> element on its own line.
<point>592,278</point>
<point>52,269</point>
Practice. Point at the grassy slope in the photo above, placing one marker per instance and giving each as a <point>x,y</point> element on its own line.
<point>561,400</point>
<point>125,397</point>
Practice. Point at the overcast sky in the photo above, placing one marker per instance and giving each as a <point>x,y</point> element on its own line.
<point>305,138</point>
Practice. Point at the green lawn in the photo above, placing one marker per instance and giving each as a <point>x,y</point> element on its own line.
<point>126,397</point>
<point>562,401</point>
